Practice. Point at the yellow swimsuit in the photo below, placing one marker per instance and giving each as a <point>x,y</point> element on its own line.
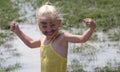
<point>51,61</point>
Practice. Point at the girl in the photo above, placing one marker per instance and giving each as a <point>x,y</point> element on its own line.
<point>53,44</point>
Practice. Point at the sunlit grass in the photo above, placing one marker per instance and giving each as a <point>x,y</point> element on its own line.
<point>7,52</point>
<point>106,13</point>
<point>94,37</point>
<point>2,37</point>
<point>4,59</point>
<point>114,36</point>
<point>107,69</point>
<point>75,66</point>
<point>8,12</point>
<point>9,68</point>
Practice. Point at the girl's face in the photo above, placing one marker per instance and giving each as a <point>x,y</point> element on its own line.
<point>49,27</point>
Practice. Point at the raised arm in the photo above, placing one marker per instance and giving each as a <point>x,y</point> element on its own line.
<point>26,39</point>
<point>85,36</point>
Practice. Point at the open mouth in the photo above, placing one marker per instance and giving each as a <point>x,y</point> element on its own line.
<point>49,33</point>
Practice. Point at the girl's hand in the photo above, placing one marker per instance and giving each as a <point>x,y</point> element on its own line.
<point>14,27</point>
<point>89,22</point>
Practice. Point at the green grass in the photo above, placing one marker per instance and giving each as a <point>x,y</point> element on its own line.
<point>10,68</point>
<point>8,12</point>
<point>94,37</point>
<point>114,36</point>
<point>75,66</point>
<point>108,69</point>
<point>83,48</point>
<point>3,36</point>
<point>106,13</point>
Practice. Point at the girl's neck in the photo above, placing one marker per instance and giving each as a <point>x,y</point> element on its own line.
<point>48,40</point>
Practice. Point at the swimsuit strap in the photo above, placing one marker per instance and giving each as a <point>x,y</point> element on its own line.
<point>42,42</point>
<point>43,39</point>
<point>54,38</point>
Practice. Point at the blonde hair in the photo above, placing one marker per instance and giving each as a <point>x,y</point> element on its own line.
<point>49,11</point>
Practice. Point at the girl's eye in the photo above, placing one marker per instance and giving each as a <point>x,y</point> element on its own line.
<point>42,22</point>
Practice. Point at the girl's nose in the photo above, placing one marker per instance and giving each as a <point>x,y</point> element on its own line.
<point>49,28</point>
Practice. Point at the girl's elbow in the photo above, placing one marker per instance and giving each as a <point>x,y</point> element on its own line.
<point>30,46</point>
<point>33,46</point>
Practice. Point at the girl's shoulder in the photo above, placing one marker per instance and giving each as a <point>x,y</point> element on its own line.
<point>64,35</point>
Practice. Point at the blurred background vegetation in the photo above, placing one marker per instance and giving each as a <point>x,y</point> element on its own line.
<point>8,12</point>
<point>106,13</point>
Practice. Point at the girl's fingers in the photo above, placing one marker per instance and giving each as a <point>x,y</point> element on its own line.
<point>88,21</point>
<point>13,26</point>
